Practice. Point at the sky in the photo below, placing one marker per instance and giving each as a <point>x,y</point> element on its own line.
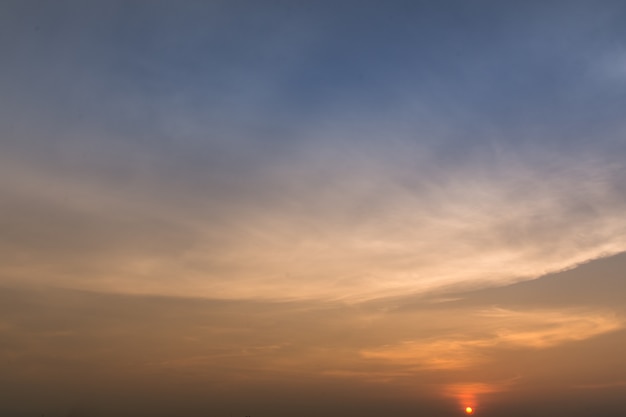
<point>315,208</point>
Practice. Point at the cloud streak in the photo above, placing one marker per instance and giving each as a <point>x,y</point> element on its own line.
<point>358,230</point>
<point>497,329</point>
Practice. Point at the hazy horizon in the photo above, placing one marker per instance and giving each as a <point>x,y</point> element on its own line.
<point>348,208</point>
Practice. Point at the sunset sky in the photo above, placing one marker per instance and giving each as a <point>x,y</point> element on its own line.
<point>312,208</point>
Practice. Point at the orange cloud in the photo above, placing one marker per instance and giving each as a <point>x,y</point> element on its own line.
<point>497,329</point>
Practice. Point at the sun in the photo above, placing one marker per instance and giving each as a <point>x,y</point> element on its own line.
<point>469,410</point>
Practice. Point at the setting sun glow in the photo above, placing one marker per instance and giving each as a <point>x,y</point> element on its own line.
<point>469,410</point>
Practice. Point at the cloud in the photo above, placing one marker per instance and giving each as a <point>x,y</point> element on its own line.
<point>358,225</point>
<point>482,332</point>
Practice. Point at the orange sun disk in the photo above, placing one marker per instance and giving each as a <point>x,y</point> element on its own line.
<point>469,410</point>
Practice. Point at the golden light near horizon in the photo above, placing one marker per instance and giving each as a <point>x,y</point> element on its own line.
<point>469,410</point>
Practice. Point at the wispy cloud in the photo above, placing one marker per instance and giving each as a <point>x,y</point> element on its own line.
<point>497,329</point>
<point>357,230</point>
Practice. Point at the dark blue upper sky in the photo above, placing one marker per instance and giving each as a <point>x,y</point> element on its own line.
<point>513,66</point>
